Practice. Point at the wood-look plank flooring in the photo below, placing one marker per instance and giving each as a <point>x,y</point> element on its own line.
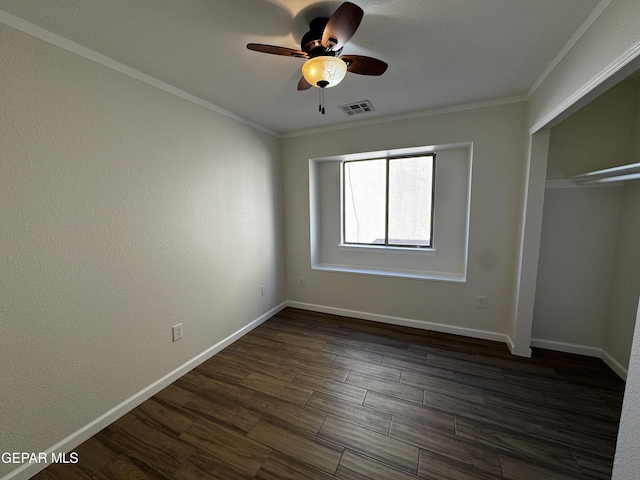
<point>314,396</point>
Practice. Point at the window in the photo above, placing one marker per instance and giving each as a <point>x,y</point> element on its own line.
<point>388,201</point>
<point>334,190</point>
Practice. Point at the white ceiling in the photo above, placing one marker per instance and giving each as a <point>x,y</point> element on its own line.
<point>440,52</point>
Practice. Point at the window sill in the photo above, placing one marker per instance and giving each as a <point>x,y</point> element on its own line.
<point>412,274</point>
<point>429,252</point>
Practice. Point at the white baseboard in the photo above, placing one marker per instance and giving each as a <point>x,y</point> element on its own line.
<point>468,332</point>
<point>614,365</point>
<point>567,347</point>
<point>406,322</point>
<point>582,350</point>
<point>28,470</point>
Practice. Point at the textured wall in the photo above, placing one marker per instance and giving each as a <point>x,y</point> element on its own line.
<point>125,210</point>
<point>627,462</point>
<point>625,284</point>
<point>579,231</point>
<point>597,136</point>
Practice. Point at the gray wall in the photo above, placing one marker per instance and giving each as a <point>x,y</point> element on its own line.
<point>125,210</point>
<point>497,136</point>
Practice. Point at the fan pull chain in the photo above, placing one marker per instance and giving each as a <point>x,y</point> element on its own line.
<point>322,84</point>
<point>321,106</point>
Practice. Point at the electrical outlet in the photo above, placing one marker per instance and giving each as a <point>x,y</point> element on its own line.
<point>482,301</point>
<point>263,290</point>
<point>177,332</point>
<point>301,281</point>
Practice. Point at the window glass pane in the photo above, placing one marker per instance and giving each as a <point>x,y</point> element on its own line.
<point>364,201</point>
<point>410,196</point>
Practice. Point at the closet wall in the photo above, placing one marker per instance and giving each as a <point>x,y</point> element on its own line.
<point>588,278</point>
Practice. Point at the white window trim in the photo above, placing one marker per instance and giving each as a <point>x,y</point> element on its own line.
<point>397,273</point>
<point>429,251</point>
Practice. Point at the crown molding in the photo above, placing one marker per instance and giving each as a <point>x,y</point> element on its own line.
<point>409,116</point>
<point>53,39</point>
<point>603,80</point>
<point>590,20</point>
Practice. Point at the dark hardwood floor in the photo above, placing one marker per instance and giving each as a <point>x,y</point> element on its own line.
<point>314,396</point>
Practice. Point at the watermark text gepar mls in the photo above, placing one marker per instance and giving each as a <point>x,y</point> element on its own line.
<point>38,457</point>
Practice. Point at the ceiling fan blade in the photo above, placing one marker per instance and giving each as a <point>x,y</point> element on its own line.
<point>364,65</point>
<point>272,49</point>
<point>303,84</point>
<point>341,26</point>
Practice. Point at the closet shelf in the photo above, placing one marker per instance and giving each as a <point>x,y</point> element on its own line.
<point>616,174</point>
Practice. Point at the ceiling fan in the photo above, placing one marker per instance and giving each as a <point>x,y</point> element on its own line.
<point>322,47</point>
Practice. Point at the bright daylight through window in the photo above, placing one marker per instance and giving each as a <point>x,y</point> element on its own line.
<point>388,201</point>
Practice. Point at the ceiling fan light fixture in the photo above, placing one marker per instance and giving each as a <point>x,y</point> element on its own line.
<point>324,71</point>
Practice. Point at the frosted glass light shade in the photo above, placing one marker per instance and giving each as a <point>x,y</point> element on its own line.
<point>324,69</point>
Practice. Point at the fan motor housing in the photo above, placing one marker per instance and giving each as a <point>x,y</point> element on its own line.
<point>312,40</point>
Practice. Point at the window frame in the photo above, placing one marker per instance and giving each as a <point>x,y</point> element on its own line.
<point>386,244</point>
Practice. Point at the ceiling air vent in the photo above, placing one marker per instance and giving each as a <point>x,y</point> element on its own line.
<point>356,108</point>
